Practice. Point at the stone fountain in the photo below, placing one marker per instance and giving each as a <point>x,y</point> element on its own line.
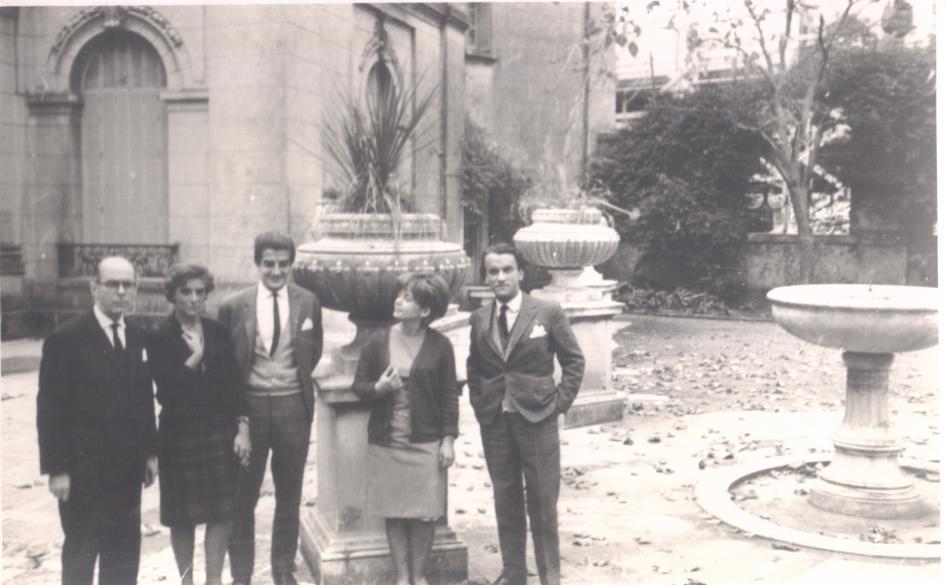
<point>870,323</point>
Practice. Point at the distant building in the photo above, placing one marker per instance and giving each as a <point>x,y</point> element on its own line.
<point>537,92</point>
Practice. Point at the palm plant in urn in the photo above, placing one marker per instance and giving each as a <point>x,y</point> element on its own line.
<point>568,236</point>
<point>360,251</point>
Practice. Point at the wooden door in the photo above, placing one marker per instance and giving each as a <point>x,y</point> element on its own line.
<point>124,142</point>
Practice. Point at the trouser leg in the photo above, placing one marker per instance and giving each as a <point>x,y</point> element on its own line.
<point>540,452</point>
<point>242,547</point>
<point>80,547</point>
<point>121,540</point>
<point>505,471</point>
<point>290,438</point>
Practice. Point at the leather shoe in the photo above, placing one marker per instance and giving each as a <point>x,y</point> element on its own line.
<point>284,579</point>
<point>509,580</point>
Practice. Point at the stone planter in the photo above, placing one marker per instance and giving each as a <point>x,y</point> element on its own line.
<point>354,267</point>
<point>569,243</point>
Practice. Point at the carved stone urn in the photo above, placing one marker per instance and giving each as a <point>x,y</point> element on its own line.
<point>569,243</point>
<point>354,268</point>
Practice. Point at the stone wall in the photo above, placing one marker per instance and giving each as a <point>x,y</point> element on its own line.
<point>530,94</point>
<point>770,260</point>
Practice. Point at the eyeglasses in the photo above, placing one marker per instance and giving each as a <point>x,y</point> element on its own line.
<point>114,285</point>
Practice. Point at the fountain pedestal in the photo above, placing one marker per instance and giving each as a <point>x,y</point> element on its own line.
<point>870,323</point>
<point>864,478</point>
<point>341,543</point>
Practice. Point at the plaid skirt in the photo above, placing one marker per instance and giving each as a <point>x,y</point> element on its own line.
<point>198,471</point>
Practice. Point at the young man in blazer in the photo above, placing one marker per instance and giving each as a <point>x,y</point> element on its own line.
<point>97,435</point>
<point>513,345</point>
<point>276,328</point>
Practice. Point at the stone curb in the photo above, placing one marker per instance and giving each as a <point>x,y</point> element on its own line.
<point>712,495</point>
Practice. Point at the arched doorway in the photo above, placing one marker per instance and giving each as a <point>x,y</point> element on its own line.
<point>119,77</point>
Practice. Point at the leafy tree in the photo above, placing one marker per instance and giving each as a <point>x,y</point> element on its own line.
<point>685,168</point>
<point>884,98</point>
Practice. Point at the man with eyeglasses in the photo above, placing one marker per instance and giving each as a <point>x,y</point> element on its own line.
<point>276,328</point>
<point>96,427</point>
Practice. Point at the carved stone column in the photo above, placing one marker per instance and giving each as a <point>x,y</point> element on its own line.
<point>864,478</point>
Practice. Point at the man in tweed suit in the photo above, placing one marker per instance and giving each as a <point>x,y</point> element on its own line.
<point>513,344</point>
<point>276,328</point>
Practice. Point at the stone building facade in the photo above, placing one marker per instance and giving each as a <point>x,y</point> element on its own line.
<point>182,131</point>
<point>179,132</point>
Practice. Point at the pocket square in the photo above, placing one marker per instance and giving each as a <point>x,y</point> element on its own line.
<point>307,324</point>
<point>537,331</point>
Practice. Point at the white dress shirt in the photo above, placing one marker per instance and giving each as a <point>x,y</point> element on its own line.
<point>105,322</point>
<point>264,312</point>
<point>511,313</point>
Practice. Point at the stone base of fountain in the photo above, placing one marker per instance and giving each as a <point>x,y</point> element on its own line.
<point>783,512</point>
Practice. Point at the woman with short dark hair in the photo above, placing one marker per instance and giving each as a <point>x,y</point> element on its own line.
<point>408,374</point>
<point>203,432</point>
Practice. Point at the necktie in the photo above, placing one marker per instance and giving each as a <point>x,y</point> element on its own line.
<point>116,340</point>
<point>503,325</point>
<point>276,324</point>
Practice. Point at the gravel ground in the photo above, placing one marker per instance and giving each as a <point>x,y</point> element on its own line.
<point>700,393</point>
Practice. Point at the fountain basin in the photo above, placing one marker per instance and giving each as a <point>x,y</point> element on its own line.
<point>859,317</point>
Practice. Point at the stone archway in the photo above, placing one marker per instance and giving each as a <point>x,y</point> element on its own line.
<point>123,128</point>
<point>87,24</point>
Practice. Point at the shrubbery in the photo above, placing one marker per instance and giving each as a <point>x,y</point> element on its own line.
<point>685,168</point>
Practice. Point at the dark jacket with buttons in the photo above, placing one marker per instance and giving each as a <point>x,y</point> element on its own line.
<point>432,388</point>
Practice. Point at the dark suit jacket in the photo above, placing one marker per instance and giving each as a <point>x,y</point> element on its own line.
<point>95,407</point>
<point>238,315</point>
<point>524,371</point>
<point>205,394</point>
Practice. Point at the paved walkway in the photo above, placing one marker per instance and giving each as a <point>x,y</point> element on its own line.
<point>627,512</point>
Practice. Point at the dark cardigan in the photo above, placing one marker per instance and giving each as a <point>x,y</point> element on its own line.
<point>186,394</point>
<point>432,388</point>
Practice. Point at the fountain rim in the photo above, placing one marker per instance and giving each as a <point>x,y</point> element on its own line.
<point>928,303</point>
<point>712,496</point>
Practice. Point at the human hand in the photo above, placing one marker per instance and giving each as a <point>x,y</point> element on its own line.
<point>194,343</point>
<point>389,381</point>
<point>150,471</point>
<point>242,446</point>
<point>446,455</point>
<point>59,486</point>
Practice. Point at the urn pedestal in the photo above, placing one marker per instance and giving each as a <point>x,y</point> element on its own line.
<point>342,544</point>
<point>354,267</point>
<point>569,243</point>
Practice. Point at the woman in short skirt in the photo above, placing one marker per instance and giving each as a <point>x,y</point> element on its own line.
<point>204,432</point>
<point>408,373</point>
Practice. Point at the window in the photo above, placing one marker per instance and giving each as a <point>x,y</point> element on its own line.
<point>479,33</point>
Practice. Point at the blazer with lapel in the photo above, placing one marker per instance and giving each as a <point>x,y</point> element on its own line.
<point>238,314</point>
<point>95,406</point>
<point>524,371</point>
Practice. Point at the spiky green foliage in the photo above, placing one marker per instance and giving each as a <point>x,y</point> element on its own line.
<point>368,143</point>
